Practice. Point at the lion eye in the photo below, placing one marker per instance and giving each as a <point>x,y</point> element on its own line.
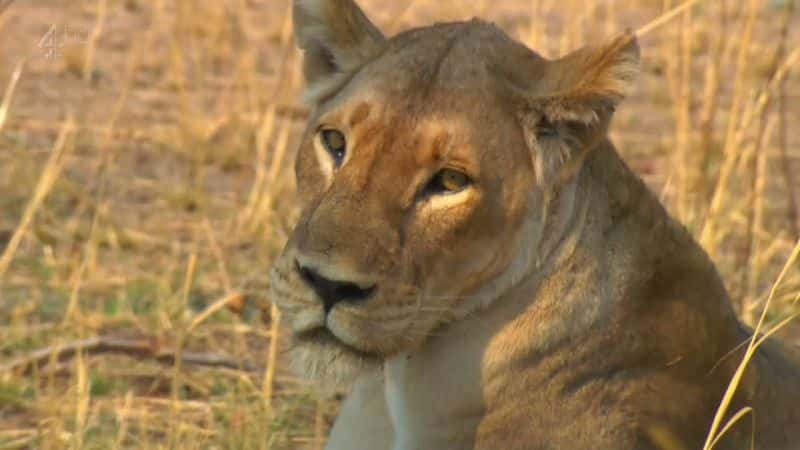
<point>448,181</point>
<point>335,144</point>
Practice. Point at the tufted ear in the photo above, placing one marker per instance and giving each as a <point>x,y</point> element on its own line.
<point>588,84</point>
<point>337,38</point>
<point>566,104</point>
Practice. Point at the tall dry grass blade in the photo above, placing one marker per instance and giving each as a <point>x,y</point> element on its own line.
<point>265,202</point>
<point>180,343</point>
<point>686,167</point>
<point>268,386</point>
<point>712,86</point>
<point>755,168</point>
<point>50,173</point>
<point>738,78</point>
<point>123,416</point>
<point>793,206</point>
<point>779,326</point>
<point>227,284</point>
<point>94,36</point>
<point>281,147</point>
<point>733,421</point>
<point>248,219</point>
<point>215,307</point>
<point>77,280</point>
<point>666,17</point>
<point>708,237</point>
<point>191,268</point>
<point>755,227</point>
<point>755,342</point>
<point>83,400</point>
<point>9,94</point>
<point>263,137</point>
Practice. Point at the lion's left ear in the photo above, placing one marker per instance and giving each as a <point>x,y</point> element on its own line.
<point>587,85</point>
<point>337,38</point>
<point>566,105</point>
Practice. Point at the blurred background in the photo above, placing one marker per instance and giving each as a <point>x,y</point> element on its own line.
<point>146,186</point>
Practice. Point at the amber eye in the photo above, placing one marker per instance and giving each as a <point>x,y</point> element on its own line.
<point>447,181</point>
<point>335,144</point>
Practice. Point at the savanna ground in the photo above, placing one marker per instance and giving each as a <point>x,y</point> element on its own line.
<point>146,185</point>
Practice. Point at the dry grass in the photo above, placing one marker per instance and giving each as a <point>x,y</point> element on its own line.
<point>145,188</point>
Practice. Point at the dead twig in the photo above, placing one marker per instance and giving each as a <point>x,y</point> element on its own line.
<point>234,301</point>
<point>141,348</point>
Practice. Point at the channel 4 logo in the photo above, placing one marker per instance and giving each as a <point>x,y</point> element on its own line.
<point>55,38</point>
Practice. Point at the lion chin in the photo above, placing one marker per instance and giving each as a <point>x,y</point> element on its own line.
<point>327,362</point>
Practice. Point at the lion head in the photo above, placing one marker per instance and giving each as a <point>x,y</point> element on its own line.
<point>428,173</point>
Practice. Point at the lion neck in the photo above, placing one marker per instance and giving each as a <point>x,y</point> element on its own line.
<point>546,238</point>
<point>586,272</point>
<point>454,363</point>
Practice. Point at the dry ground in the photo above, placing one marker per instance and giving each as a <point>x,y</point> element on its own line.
<point>144,179</point>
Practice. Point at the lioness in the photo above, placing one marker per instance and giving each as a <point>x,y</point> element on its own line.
<point>478,265</point>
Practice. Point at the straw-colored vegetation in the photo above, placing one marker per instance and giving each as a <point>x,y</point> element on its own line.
<point>145,186</point>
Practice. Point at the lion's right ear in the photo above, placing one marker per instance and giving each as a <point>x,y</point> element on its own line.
<point>337,38</point>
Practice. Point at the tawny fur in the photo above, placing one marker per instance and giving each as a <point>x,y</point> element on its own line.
<point>551,304</point>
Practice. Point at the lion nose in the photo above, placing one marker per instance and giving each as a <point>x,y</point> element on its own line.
<point>333,292</point>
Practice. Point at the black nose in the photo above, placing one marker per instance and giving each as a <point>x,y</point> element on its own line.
<point>332,292</point>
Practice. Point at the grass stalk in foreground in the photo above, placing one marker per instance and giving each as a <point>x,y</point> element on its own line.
<point>49,175</point>
<point>755,342</point>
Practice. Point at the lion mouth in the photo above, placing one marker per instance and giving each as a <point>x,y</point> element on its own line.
<point>323,337</point>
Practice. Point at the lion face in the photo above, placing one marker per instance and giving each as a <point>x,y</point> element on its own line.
<point>424,194</point>
<point>403,207</point>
